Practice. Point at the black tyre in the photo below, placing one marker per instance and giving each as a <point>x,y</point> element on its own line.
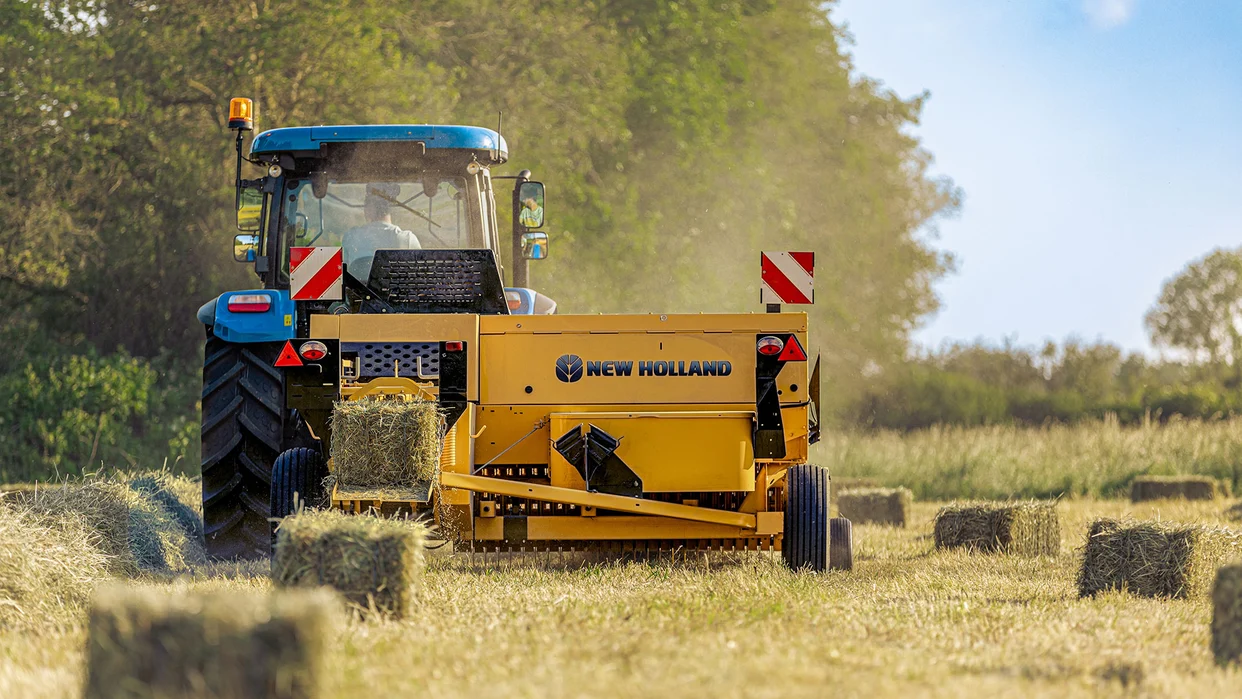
<point>297,479</point>
<point>245,426</point>
<point>840,544</point>
<point>806,540</point>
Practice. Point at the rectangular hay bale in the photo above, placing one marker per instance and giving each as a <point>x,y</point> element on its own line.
<point>1227,615</point>
<point>1021,528</point>
<point>374,563</point>
<point>1153,559</point>
<point>889,506</point>
<point>144,642</point>
<point>1144,488</point>
<point>385,444</point>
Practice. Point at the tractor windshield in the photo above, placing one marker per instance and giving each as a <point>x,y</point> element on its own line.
<point>362,217</point>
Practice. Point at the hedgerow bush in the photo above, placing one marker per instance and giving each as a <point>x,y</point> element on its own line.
<point>66,415</point>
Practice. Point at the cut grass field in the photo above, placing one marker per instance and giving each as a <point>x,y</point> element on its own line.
<point>908,621</point>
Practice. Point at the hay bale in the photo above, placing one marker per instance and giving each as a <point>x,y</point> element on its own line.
<point>876,505</point>
<point>1144,488</point>
<point>374,563</point>
<point>48,566</point>
<point>1227,615</point>
<point>151,643</point>
<point>135,530</point>
<point>1023,528</point>
<point>1153,559</point>
<point>385,445</point>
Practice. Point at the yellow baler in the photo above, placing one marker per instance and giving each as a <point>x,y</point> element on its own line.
<point>614,432</point>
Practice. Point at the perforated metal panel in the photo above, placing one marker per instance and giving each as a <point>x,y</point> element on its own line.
<point>409,359</point>
<point>439,281</point>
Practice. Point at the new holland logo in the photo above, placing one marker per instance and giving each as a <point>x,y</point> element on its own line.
<point>571,368</point>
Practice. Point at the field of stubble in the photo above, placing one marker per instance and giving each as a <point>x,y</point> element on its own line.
<point>908,621</point>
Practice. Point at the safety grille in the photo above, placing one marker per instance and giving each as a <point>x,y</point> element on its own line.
<point>432,281</point>
<point>410,359</point>
<point>438,281</point>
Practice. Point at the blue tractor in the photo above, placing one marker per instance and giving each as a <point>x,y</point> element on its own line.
<point>423,189</point>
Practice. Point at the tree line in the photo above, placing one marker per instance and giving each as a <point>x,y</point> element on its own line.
<point>1196,322</point>
<point>677,140</point>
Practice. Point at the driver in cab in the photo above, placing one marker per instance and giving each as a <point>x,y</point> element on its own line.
<point>378,233</point>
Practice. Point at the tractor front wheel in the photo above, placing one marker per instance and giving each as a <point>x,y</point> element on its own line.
<point>806,540</point>
<point>297,479</point>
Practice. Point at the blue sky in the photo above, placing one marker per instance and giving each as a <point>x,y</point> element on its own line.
<point>1098,143</point>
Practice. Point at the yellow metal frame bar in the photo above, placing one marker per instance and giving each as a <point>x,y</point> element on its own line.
<point>620,528</point>
<point>601,501</point>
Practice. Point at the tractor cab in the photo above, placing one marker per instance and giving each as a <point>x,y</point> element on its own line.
<point>411,209</point>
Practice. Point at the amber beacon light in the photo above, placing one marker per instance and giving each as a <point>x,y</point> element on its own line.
<point>241,114</point>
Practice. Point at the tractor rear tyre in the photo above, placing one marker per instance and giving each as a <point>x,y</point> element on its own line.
<point>297,480</point>
<point>245,426</point>
<point>840,544</point>
<point>806,540</point>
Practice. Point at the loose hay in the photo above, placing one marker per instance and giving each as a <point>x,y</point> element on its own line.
<point>1144,488</point>
<point>1227,615</point>
<point>1153,559</point>
<point>149,643</point>
<point>180,496</point>
<point>135,530</point>
<point>1024,529</point>
<point>374,563</point>
<point>385,444</point>
<point>876,505</point>
<point>48,565</point>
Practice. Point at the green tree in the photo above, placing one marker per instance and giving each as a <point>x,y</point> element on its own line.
<point>1200,310</point>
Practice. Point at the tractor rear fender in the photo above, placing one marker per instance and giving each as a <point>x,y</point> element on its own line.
<point>259,315</point>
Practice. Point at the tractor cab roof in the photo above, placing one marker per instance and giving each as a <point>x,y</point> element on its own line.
<point>306,139</point>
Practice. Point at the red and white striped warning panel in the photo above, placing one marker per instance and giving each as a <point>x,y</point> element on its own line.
<point>316,274</point>
<point>788,277</point>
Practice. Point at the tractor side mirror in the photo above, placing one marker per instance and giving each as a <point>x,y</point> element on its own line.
<point>249,210</point>
<point>245,247</point>
<point>530,198</point>
<point>534,245</point>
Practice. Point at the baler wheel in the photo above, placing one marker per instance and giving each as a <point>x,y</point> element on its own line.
<point>840,544</point>
<point>243,430</point>
<point>806,539</point>
<point>297,479</point>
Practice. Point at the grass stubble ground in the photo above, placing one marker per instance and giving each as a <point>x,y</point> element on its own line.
<point>908,621</point>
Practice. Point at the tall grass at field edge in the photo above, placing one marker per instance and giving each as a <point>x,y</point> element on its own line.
<point>1087,459</point>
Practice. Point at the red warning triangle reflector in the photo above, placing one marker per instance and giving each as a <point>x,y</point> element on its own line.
<point>793,351</point>
<point>288,357</point>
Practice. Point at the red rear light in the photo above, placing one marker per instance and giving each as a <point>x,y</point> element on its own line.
<point>770,345</point>
<point>249,303</point>
<point>313,351</point>
<point>454,346</point>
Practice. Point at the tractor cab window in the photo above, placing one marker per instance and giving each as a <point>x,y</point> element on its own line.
<point>362,217</point>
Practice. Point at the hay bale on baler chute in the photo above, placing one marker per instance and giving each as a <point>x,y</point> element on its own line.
<point>1023,528</point>
<point>144,642</point>
<point>1144,488</point>
<point>375,563</point>
<point>1153,559</point>
<point>889,506</point>
<point>385,445</point>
